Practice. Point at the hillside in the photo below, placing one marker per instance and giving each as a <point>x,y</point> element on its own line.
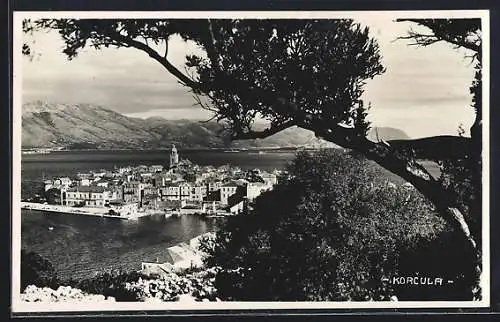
<point>48,125</point>
<point>88,126</point>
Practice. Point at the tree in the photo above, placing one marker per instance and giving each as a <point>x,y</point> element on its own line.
<point>462,175</point>
<point>461,34</point>
<point>53,196</point>
<point>334,231</point>
<point>305,73</point>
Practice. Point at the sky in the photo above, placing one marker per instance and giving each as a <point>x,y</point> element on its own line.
<point>424,92</point>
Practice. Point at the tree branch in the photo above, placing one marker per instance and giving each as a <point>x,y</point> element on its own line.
<point>154,54</point>
<point>414,173</point>
<point>432,148</point>
<point>212,45</point>
<point>443,36</point>
<point>273,129</point>
<point>389,158</point>
<point>437,147</point>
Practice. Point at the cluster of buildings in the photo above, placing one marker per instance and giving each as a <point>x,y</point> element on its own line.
<point>182,186</point>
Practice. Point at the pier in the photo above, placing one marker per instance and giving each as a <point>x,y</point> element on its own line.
<point>86,211</point>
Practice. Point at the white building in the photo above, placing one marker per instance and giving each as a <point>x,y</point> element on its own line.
<point>84,182</point>
<point>197,193</point>
<point>237,207</point>
<point>269,178</point>
<point>124,170</point>
<point>254,189</point>
<point>49,184</point>
<point>176,191</point>
<point>88,196</point>
<point>226,191</point>
<point>213,185</point>
<point>170,192</point>
<point>59,183</point>
<point>65,181</point>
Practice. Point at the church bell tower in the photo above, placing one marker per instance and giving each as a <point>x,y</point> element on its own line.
<point>174,157</point>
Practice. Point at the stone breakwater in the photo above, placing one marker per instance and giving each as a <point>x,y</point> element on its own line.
<point>62,294</point>
<point>85,211</point>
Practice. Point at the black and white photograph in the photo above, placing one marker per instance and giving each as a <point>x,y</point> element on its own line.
<point>250,160</point>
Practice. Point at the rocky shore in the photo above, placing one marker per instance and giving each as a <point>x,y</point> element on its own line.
<point>33,293</point>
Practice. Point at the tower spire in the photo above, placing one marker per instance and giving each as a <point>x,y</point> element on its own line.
<point>174,157</point>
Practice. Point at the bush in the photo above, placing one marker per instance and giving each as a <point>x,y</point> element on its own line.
<point>196,284</point>
<point>463,176</point>
<point>109,284</point>
<point>36,270</point>
<point>335,230</point>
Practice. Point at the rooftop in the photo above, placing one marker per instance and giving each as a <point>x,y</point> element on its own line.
<point>88,189</point>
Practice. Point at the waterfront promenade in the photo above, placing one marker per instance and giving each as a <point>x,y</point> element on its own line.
<point>86,211</point>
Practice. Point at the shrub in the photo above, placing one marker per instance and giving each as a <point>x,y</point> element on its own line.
<point>196,284</point>
<point>335,230</point>
<point>108,284</point>
<point>36,270</point>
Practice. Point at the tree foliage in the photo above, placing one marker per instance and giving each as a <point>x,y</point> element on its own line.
<point>319,65</point>
<point>108,284</point>
<point>460,32</point>
<point>334,231</point>
<point>53,196</point>
<point>462,175</point>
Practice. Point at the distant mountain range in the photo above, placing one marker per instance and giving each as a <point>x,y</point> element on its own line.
<point>83,126</point>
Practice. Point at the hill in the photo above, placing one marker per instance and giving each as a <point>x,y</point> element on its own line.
<point>386,133</point>
<point>49,125</point>
<point>84,126</point>
<point>78,126</point>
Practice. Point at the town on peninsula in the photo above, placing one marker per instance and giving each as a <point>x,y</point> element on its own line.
<point>132,192</point>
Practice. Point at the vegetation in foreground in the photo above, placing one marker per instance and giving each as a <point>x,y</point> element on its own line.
<point>39,283</point>
<point>334,230</point>
<point>309,74</point>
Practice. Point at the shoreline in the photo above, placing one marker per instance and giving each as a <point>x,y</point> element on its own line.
<point>86,211</point>
<point>251,149</point>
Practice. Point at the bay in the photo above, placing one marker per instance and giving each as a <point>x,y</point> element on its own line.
<point>80,246</point>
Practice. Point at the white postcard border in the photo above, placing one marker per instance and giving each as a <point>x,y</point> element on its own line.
<point>21,307</point>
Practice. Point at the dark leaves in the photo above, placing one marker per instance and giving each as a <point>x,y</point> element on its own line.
<point>333,231</point>
<point>319,65</point>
